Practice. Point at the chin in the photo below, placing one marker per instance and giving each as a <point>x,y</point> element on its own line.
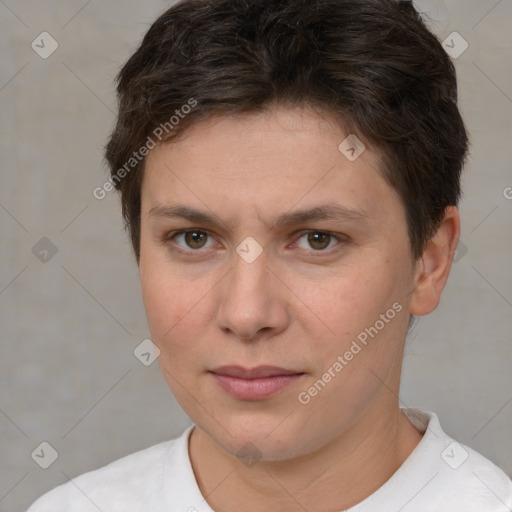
<point>253,437</point>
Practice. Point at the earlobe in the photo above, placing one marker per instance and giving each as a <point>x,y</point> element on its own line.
<point>433,268</point>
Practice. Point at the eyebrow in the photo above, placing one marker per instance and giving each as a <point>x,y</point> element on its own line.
<point>322,212</point>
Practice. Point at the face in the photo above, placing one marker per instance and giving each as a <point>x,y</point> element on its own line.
<point>248,282</point>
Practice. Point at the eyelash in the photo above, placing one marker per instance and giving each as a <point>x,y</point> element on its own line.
<point>342,239</point>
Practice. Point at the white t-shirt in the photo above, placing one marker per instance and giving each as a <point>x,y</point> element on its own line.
<point>440,475</point>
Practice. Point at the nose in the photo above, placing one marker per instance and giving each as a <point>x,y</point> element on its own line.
<point>252,301</point>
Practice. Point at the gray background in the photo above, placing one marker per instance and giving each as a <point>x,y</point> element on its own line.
<point>69,325</point>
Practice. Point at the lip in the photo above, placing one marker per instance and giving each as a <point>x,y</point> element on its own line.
<point>256,383</point>
<point>257,372</point>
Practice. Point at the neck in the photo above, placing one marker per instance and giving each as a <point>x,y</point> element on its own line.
<point>336,477</point>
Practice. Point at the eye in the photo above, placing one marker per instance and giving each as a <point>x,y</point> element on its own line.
<point>320,240</point>
<point>193,238</point>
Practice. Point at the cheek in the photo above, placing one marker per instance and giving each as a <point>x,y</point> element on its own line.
<point>351,365</point>
<point>168,304</point>
<point>361,315</point>
<point>348,298</point>
<point>176,306</point>
<point>163,298</point>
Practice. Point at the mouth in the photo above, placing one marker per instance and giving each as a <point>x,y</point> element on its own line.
<point>254,384</point>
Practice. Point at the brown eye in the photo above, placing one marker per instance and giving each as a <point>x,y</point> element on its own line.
<point>193,239</point>
<point>318,240</point>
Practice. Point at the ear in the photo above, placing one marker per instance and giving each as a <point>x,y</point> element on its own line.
<point>433,268</point>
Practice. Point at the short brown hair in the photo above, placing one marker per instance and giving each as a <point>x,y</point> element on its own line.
<point>371,63</point>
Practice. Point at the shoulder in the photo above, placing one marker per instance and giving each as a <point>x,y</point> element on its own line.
<point>129,483</point>
<point>477,482</point>
<point>459,478</point>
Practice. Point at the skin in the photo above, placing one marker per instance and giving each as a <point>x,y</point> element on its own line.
<point>299,305</point>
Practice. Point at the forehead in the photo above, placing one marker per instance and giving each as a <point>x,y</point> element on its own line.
<point>275,161</point>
